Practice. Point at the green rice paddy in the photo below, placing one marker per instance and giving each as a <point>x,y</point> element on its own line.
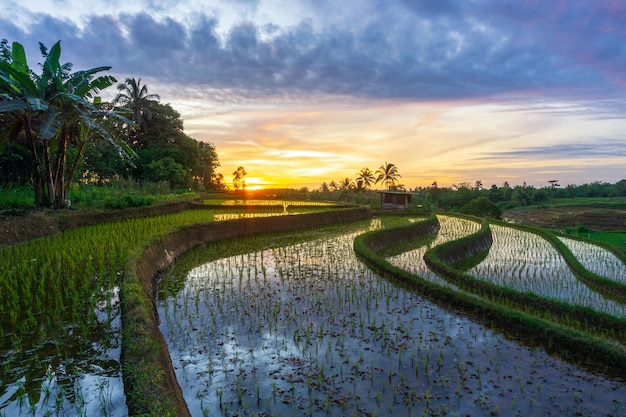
<point>294,323</point>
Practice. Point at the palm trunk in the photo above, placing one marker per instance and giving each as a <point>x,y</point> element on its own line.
<point>48,177</point>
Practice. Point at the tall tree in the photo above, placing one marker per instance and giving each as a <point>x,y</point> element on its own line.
<point>51,112</point>
<point>346,184</point>
<point>164,140</point>
<point>366,178</point>
<point>217,182</point>
<point>135,97</point>
<point>208,165</point>
<point>239,178</point>
<point>388,174</point>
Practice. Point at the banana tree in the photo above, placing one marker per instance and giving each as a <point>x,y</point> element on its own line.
<point>53,111</point>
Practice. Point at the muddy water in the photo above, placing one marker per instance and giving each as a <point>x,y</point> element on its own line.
<point>306,329</point>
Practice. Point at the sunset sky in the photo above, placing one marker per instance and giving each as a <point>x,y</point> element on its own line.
<point>305,91</point>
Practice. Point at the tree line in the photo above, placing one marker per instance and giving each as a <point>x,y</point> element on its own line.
<point>465,197</point>
<point>387,174</point>
<point>55,130</point>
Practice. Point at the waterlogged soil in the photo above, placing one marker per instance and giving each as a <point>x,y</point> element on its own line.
<point>595,218</point>
<point>68,365</point>
<point>60,351</point>
<point>303,328</point>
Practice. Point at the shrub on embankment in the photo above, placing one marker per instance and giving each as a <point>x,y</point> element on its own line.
<point>530,322</point>
<point>150,382</point>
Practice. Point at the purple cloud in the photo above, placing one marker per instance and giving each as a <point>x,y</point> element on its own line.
<point>427,49</point>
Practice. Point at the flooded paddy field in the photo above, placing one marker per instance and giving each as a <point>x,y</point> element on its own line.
<point>60,321</point>
<point>527,262</point>
<point>296,325</point>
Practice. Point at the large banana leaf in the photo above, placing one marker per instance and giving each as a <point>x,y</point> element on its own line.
<point>19,82</point>
<point>9,106</point>
<point>18,56</point>
<point>51,125</point>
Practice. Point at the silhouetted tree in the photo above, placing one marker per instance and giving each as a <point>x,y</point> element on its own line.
<point>387,174</point>
<point>366,178</point>
<point>239,178</point>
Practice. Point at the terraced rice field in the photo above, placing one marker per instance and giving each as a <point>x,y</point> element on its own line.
<point>303,328</point>
<point>294,323</point>
<point>526,262</point>
<point>597,259</point>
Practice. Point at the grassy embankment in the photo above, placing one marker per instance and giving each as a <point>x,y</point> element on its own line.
<point>79,264</point>
<point>550,214</point>
<point>568,331</point>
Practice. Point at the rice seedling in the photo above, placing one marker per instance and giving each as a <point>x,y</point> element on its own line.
<point>331,337</point>
<point>269,202</point>
<point>597,259</point>
<point>452,228</point>
<point>60,303</point>
<point>526,262</point>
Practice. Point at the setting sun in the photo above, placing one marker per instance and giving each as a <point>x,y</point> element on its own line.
<point>255,183</point>
<point>255,188</point>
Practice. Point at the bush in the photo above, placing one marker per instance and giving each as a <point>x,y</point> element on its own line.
<point>16,197</point>
<point>127,201</point>
<point>481,207</point>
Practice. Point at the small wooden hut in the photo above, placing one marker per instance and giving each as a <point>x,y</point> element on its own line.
<point>394,200</point>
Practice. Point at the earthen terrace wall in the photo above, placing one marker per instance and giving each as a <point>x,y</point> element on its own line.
<point>139,315</point>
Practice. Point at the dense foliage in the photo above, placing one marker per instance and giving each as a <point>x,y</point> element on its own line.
<point>56,131</point>
<point>465,197</point>
<point>51,116</point>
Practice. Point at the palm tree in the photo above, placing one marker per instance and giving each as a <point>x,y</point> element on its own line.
<point>52,112</point>
<point>365,178</point>
<point>346,184</point>
<point>387,174</point>
<point>134,97</point>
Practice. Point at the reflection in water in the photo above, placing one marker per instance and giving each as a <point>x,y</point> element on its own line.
<point>66,369</point>
<point>596,259</point>
<point>527,262</point>
<point>452,228</point>
<point>307,329</point>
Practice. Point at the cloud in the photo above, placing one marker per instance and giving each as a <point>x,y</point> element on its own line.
<point>596,148</point>
<point>158,37</point>
<point>590,33</point>
<point>427,49</point>
<point>434,7</point>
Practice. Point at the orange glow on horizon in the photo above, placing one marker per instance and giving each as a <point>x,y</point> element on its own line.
<point>255,187</point>
<point>322,139</point>
<point>255,183</point>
